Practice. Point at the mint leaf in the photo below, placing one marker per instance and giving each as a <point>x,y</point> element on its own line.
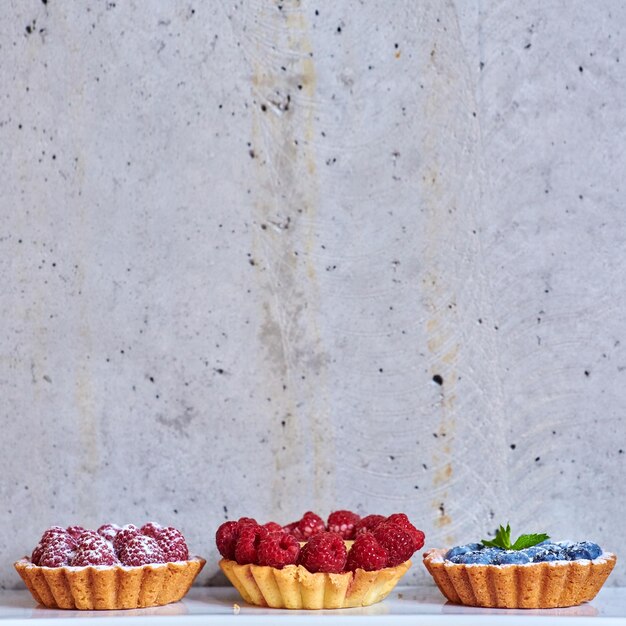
<point>526,541</point>
<point>507,536</point>
<point>503,540</point>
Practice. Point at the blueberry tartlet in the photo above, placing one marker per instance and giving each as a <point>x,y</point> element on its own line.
<point>110,568</point>
<point>348,561</point>
<point>530,573</point>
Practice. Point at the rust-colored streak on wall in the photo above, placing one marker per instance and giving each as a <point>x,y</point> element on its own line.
<point>284,208</point>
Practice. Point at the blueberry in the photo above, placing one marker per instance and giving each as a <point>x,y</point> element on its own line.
<point>533,551</point>
<point>546,551</point>
<point>583,550</point>
<point>457,550</point>
<point>542,556</point>
<point>471,558</point>
<point>507,557</point>
<point>493,554</point>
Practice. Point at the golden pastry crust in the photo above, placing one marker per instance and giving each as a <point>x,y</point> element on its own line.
<point>114,587</point>
<point>529,586</point>
<point>294,587</point>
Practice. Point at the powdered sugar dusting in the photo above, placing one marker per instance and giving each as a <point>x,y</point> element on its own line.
<point>94,550</point>
<point>75,531</point>
<point>109,531</point>
<point>151,529</point>
<point>141,550</point>
<point>28,563</point>
<point>110,545</point>
<point>172,542</point>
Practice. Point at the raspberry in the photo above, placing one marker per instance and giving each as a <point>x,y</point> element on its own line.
<point>397,541</point>
<point>55,549</point>
<point>368,523</point>
<point>37,552</point>
<point>227,535</point>
<point>247,521</point>
<point>75,531</point>
<point>94,551</point>
<point>85,537</point>
<point>172,543</point>
<point>367,554</point>
<point>248,543</point>
<point>150,529</point>
<point>56,555</point>
<point>400,519</point>
<point>278,550</point>
<point>91,540</point>
<point>54,541</point>
<point>226,539</point>
<point>343,522</point>
<point>53,530</point>
<point>128,532</point>
<point>109,531</point>
<point>325,552</point>
<point>273,527</point>
<point>56,532</point>
<point>141,550</point>
<point>311,525</point>
<point>292,529</point>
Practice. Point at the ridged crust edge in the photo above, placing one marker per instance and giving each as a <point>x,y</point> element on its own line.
<point>106,588</point>
<point>534,586</point>
<point>294,587</point>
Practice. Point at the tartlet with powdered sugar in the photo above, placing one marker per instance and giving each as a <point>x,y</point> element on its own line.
<point>111,568</point>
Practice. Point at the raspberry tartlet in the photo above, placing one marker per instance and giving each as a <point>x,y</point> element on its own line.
<point>530,573</point>
<point>311,564</point>
<point>110,568</point>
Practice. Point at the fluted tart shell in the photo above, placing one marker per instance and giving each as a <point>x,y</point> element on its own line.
<point>529,586</point>
<point>109,587</point>
<point>294,587</point>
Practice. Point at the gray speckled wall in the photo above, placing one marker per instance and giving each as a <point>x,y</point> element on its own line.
<point>263,257</point>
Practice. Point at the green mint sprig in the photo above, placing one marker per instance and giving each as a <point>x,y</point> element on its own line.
<point>503,540</point>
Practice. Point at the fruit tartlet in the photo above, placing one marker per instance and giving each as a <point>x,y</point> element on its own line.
<point>347,562</point>
<point>110,568</point>
<point>530,573</point>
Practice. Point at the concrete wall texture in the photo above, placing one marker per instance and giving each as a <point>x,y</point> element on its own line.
<point>264,257</point>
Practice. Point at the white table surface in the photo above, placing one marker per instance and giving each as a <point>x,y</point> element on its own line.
<point>405,605</point>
